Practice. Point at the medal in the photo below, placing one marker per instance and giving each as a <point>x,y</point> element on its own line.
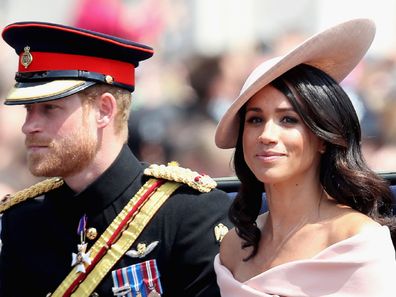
<point>153,293</point>
<point>81,258</point>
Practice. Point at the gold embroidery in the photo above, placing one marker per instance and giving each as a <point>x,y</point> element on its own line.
<point>200,182</point>
<point>36,190</point>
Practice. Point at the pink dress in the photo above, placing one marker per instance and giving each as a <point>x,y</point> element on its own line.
<point>363,265</point>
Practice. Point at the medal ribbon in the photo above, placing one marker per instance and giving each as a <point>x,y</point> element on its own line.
<point>151,276</point>
<point>122,287</point>
<point>103,250</point>
<point>133,277</point>
<point>135,270</point>
<point>82,225</point>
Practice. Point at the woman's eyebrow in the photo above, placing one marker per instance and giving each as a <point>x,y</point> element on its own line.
<point>278,109</point>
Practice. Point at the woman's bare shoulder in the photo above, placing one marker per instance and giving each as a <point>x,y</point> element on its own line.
<point>230,248</point>
<point>231,251</point>
<point>350,222</point>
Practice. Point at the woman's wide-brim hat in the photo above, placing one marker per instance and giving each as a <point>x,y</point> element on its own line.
<point>336,51</point>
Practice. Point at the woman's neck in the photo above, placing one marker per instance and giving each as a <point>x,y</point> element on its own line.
<point>294,205</point>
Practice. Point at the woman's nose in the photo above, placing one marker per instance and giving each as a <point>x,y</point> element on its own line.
<point>269,133</point>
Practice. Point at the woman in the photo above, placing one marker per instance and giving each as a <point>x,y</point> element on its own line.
<point>297,137</point>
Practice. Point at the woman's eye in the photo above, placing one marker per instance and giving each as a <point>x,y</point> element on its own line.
<point>289,120</point>
<point>253,120</point>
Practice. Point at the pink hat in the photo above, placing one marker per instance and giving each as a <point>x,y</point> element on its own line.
<point>336,51</point>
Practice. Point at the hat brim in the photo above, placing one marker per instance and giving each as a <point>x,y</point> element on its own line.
<point>336,51</point>
<point>28,93</point>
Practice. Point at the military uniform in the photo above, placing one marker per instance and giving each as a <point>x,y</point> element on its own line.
<point>137,230</point>
<point>39,236</point>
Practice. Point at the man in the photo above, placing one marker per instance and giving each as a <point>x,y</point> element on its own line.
<point>104,224</point>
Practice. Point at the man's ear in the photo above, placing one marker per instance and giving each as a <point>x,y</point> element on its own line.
<point>107,108</point>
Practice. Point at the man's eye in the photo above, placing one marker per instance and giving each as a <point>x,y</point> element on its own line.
<point>50,107</point>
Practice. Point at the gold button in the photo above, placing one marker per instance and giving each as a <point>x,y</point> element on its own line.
<point>91,233</point>
<point>109,79</point>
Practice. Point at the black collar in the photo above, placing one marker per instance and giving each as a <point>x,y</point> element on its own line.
<point>104,190</point>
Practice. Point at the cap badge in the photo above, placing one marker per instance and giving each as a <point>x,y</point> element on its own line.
<point>27,57</point>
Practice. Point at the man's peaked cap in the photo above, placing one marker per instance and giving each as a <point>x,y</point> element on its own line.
<point>56,61</point>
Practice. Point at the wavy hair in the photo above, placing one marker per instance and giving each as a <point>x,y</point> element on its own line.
<point>328,112</point>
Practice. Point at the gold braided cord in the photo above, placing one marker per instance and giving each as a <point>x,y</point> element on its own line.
<point>31,192</point>
<point>201,182</point>
<point>125,241</point>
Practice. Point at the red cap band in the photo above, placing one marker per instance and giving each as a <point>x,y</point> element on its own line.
<point>121,72</point>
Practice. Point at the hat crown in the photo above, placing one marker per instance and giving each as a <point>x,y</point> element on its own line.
<point>50,37</point>
<point>257,72</point>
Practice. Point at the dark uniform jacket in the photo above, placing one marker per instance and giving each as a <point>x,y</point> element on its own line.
<point>40,235</point>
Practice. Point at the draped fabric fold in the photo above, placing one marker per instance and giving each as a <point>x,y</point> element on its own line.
<point>363,265</point>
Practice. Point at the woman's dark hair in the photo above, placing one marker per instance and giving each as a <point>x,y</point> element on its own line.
<point>328,112</point>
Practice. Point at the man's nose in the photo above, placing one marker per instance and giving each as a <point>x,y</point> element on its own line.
<point>32,123</point>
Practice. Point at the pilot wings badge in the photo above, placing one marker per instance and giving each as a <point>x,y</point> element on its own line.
<point>142,250</point>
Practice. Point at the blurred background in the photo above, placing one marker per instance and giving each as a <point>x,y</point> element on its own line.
<point>204,50</point>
